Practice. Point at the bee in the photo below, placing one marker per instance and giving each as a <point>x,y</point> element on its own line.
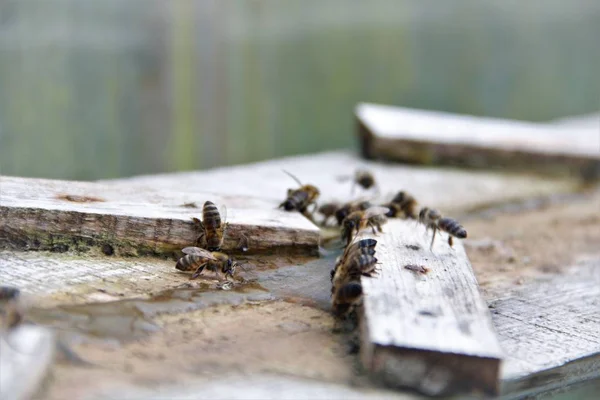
<point>452,228</point>
<point>373,217</point>
<point>349,208</point>
<point>328,210</point>
<point>402,204</point>
<point>10,310</point>
<point>299,199</point>
<point>346,298</point>
<point>430,217</point>
<point>356,261</point>
<point>196,259</point>
<point>212,226</point>
<point>364,179</point>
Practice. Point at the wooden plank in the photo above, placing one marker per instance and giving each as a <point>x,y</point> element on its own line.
<point>64,215</point>
<point>431,137</point>
<point>431,332</point>
<point>331,172</point>
<point>549,330</point>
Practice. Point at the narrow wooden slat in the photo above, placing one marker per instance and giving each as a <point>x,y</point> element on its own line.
<point>431,137</point>
<point>63,215</point>
<point>431,332</point>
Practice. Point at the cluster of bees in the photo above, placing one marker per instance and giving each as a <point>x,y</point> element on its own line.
<point>208,255</point>
<point>358,258</point>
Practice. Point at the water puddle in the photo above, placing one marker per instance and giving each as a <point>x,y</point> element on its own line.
<point>129,319</point>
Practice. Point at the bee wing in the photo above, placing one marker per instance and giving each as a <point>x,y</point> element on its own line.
<point>223,213</point>
<point>197,251</point>
<point>376,210</point>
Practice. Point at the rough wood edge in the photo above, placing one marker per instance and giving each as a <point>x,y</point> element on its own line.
<point>155,236</point>
<point>411,151</point>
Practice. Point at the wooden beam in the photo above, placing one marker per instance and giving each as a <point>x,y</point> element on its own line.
<point>58,216</point>
<point>431,137</point>
<point>331,172</point>
<point>549,330</point>
<point>431,332</point>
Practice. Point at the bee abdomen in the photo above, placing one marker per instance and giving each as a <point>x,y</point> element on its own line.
<point>349,292</point>
<point>452,227</point>
<point>210,215</point>
<point>188,262</point>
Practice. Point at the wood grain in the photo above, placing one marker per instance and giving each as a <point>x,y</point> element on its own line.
<point>64,215</point>
<point>550,330</point>
<point>431,137</point>
<point>430,332</point>
<point>331,172</point>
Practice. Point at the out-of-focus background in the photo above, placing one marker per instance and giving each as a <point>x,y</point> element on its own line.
<point>98,89</point>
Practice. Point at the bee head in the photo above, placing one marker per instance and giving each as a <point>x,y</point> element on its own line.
<point>422,214</point>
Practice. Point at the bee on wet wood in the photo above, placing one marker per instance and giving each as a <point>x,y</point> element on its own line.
<point>365,179</point>
<point>356,221</point>
<point>403,205</point>
<point>357,261</point>
<point>347,298</point>
<point>349,208</point>
<point>300,199</point>
<point>212,226</point>
<point>197,259</point>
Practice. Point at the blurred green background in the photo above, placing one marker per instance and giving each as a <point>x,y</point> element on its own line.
<point>95,89</point>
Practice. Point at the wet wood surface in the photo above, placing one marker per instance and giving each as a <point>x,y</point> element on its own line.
<point>428,331</point>
<point>59,216</point>
<point>431,137</point>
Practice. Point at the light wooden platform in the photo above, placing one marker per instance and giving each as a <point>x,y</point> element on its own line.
<point>431,332</point>
<point>432,137</point>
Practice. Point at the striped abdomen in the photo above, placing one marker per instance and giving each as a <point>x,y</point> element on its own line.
<point>452,227</point>
<point>190,262</point>
<point>361,265</point>
<point>296,200</point>
<point>211,219</point>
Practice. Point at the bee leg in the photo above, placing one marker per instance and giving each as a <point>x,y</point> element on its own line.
<point>433,238</point>
<point>450,241</point>
<point>198,271</point>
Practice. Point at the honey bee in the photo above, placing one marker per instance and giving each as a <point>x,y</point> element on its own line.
<point>403,204</point>
<point>430,217</point>
<point>346,298</point>
<point>356,221</point>
<point>356,261</point>
<point>452,228</point>
<point>328,210</point>
<point>299,199</point>
<point>212,226</point>
<point>364,179</point>
<point>196,259</point>
<point>349,208</point>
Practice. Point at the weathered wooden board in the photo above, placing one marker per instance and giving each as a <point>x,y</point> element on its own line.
<point>64,215</point>
<point>331,173</point>
<point>550,329</point>
<point>431,332</point>
<point>26,354</point>
<point>431,137</point>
